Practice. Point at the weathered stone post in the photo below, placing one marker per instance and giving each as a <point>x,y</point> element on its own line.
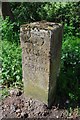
<point>41,52</point>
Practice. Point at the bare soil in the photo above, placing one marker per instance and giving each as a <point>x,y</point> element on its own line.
<point>17,106</point>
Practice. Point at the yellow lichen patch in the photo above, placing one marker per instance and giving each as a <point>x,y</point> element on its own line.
<point>50,28</point>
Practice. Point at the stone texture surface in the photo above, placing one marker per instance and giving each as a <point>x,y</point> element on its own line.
<point>41,51</point>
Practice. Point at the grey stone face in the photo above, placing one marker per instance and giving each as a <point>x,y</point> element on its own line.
<point>41,48</point>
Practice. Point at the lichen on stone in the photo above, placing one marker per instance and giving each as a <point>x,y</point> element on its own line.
<point>39,25</point>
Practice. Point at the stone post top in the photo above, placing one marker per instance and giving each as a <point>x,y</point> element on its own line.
<point>40,25</point>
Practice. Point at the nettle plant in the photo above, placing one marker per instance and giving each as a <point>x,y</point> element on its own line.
<point>11,63</point>
<point>10,31</point>
<point>11,54</point>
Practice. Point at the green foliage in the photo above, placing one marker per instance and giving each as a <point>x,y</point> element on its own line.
<point>10,54</point>
<point>8,31</point>
<point>66,13</point>
<point>11,63</point>
<point>69,79</point>
<point>26,12</point>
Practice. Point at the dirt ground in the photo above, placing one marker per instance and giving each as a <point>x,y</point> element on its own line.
<point>17,106</point>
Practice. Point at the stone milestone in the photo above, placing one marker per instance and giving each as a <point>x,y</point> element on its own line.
<point>41,52</point>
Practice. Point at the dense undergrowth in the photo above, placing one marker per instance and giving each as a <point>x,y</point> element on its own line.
<point>69,78</point>
<point>11,63</point>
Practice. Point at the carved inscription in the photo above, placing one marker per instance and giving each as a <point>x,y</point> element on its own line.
<point>36,59</point>
<point>36,52</point>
